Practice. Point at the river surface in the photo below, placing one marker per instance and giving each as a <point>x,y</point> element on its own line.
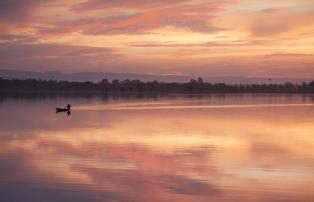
<point>246,148</point>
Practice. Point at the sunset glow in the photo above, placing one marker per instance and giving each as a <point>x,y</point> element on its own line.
<point>184,37</point>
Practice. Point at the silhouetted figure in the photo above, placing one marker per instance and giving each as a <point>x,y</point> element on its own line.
<point>69,107</point>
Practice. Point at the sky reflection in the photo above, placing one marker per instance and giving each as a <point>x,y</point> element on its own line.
<point>199,154</point>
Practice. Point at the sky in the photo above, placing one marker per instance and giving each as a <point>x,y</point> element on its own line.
<point>253,38</point>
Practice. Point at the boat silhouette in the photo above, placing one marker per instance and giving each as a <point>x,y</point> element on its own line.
<point>64,109</point>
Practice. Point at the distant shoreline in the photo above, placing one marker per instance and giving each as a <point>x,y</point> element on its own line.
<point>198,86</point>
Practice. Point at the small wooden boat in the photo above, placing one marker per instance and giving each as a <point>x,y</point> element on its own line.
<point>62,109</point>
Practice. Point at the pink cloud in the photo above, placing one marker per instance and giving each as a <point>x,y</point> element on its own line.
<point>191,17</point>
<point>137,4</point>
<point>187,17</point>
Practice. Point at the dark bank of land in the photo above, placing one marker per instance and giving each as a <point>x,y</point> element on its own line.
<point>137,86</point>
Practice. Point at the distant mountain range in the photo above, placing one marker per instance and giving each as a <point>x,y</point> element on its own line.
<point>98,76</point>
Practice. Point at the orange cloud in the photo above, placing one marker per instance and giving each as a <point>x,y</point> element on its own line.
<point>270,22</point>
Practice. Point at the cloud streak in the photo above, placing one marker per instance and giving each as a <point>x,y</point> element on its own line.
<point>192,18</point>
<point>48,56</point>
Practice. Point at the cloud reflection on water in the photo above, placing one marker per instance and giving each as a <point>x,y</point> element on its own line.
<point>246,154</point>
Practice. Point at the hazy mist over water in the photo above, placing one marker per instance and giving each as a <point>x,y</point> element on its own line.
<point>224,147</point>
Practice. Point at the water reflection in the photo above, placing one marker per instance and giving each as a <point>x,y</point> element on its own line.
<point>212,148</point>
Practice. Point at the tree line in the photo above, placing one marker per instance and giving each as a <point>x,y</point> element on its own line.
<point>137,86</point>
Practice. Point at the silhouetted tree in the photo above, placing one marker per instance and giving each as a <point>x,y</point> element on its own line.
<point>200,81</point>
<point>134,86</point>
<point>104,84</point>
<point>311,85</point>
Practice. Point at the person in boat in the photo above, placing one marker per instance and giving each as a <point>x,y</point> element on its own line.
<point>67,108</point>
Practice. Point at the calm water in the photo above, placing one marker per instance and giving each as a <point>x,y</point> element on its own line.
<point>255,148</point>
